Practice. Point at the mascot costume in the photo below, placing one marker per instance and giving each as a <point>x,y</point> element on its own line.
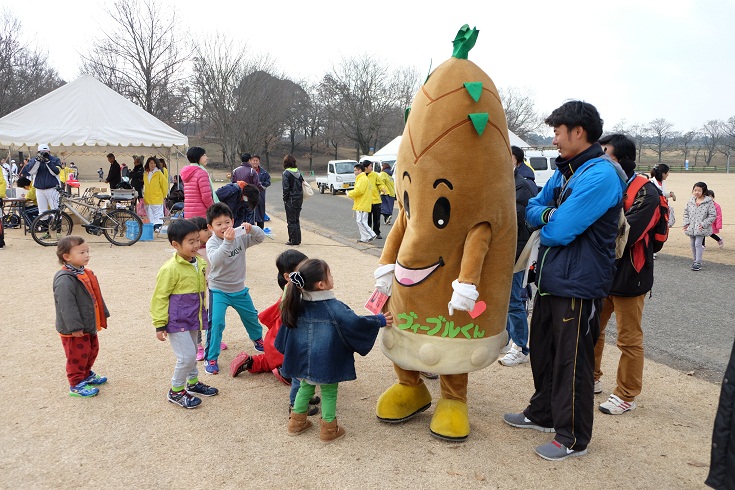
<point>448,261</point>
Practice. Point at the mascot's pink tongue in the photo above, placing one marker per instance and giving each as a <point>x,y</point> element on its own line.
<point>409,277</point>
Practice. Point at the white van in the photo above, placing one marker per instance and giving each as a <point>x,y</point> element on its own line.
<point>543,164</point>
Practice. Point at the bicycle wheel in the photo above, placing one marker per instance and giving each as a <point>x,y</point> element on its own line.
<point>51,226</point>
<point>116,229</point>
<point>11,221</point>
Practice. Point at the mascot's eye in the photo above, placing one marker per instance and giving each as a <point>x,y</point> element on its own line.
<point>405,205</point>
<point>441,212</point>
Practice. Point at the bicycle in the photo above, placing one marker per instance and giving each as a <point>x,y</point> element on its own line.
<point>50,226</point>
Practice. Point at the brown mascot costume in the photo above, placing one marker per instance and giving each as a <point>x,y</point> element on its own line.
<point>447,263</point>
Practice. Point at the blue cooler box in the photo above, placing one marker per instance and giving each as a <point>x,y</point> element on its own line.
<point>131,229</point>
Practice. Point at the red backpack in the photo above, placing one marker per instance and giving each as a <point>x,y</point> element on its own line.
<point>659,224</point>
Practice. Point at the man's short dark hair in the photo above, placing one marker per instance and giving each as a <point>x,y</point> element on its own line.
<point>360,166</point>
<point>518,153</point>
<point>577,113</point>
<point>110,155</point>
<point>178,230</point>
<point>255,156</point>
<point>245,157</point>
<point>624,147</point>
<point>22,182</point>
<point>216,210</point>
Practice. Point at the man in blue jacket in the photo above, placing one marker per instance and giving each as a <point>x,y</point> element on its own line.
<point>578,212</point>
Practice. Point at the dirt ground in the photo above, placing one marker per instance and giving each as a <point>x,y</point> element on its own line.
<point>131,435</point>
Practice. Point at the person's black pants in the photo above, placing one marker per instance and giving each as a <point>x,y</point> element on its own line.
<point>562,344</point>
<point>374,218</point>
<point>293,211</point>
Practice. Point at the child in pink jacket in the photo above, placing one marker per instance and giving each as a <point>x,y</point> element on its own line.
<point>717,225</point>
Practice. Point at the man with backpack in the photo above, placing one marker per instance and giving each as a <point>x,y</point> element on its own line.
<point>633,278</point>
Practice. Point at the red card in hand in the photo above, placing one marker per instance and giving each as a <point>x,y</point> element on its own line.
<point>376,302</point>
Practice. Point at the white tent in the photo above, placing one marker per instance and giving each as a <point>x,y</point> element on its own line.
<point>391,149</point>
<point>86,112</point>
<point>87,119</point>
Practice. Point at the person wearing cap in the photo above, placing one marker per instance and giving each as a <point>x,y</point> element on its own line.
<point>6,170</point>
<point>47,178</point>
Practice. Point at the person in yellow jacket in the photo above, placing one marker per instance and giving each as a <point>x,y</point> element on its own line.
<point>363,196</point>
<point>63,174</point>
<point>388,198</point>
<point>378,188</point>
<point>25,183</point>
<point>3,186</point>
<point>155,189</point>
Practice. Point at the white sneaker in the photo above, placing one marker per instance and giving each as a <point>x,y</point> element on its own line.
<point>616,406</point>
<point>598,387</point>
<point>514,358</point>
<point>510,345</point>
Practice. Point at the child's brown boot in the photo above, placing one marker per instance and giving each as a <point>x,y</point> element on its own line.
<point>297,423</point>
<point>330,431</point>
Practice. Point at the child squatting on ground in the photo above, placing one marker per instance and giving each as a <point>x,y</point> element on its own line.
<point>226,255</point>
<point>179,313</point>
<point>320,342</point>
<point>699,214</point>
<point>80,314</point>
<point>272,360</point>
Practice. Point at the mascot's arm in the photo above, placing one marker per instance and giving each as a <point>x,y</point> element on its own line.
<point>384,274</point>
<point>475,249</point>
<point>464,288</point>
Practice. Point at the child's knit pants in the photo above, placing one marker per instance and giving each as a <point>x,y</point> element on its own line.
<point>81,353</point>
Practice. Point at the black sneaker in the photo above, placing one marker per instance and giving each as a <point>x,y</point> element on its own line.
<point>183,399</point>
<point>201,389</point>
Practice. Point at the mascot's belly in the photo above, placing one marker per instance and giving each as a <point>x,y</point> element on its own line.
<point>456,196</point>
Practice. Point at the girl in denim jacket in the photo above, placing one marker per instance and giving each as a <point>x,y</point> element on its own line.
<point>319,344</point>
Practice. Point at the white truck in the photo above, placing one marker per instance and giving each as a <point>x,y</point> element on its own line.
<point>340,177</point>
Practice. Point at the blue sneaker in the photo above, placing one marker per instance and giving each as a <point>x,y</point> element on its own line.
<point>183,399</point>
<point>201,389</point>
<point>259,344</point>
<point>266,217</point>
<point>95,379</point>
<point>83,391</point>
<point>211,367</point>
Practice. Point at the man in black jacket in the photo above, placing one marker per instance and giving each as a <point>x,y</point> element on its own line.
<point>632,281</point>
<point>517,324</point>
<point>114,175</point>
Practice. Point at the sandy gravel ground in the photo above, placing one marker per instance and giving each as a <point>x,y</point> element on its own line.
<point>130,435</point>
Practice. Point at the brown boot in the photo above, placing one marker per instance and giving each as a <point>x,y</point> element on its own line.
<point>297,423</point>
<point>331,431</point>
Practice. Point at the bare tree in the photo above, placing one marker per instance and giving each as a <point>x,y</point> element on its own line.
<point>24,72</point>
<point>685,142</point>
<point>362,96</point>
<point>219,67</point>
<point>661,135</point>
<point>639,135</point>
<point>140,56</point>
<point>712,136</point>
<point>520,111</point>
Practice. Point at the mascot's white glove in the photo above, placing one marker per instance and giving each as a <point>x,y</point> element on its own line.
<point>384,278</point>
<point>463,297</point>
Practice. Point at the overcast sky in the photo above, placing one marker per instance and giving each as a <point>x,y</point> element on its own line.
<point>636,60</point>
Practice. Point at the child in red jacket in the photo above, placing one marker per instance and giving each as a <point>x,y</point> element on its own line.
<point>271,359</point>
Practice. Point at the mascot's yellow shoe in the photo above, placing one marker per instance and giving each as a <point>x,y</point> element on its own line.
<point>400,403</point>
<point>450,421</point>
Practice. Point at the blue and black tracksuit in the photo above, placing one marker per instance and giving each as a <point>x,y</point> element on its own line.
<point>578,211</point>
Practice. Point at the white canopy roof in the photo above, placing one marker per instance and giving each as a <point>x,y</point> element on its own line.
<point>392,147</point>
<point>86,112</point>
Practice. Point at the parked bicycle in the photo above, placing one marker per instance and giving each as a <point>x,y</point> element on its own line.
<point>120,226</point>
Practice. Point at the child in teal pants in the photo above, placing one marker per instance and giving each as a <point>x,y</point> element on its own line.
<point>226,255</point>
